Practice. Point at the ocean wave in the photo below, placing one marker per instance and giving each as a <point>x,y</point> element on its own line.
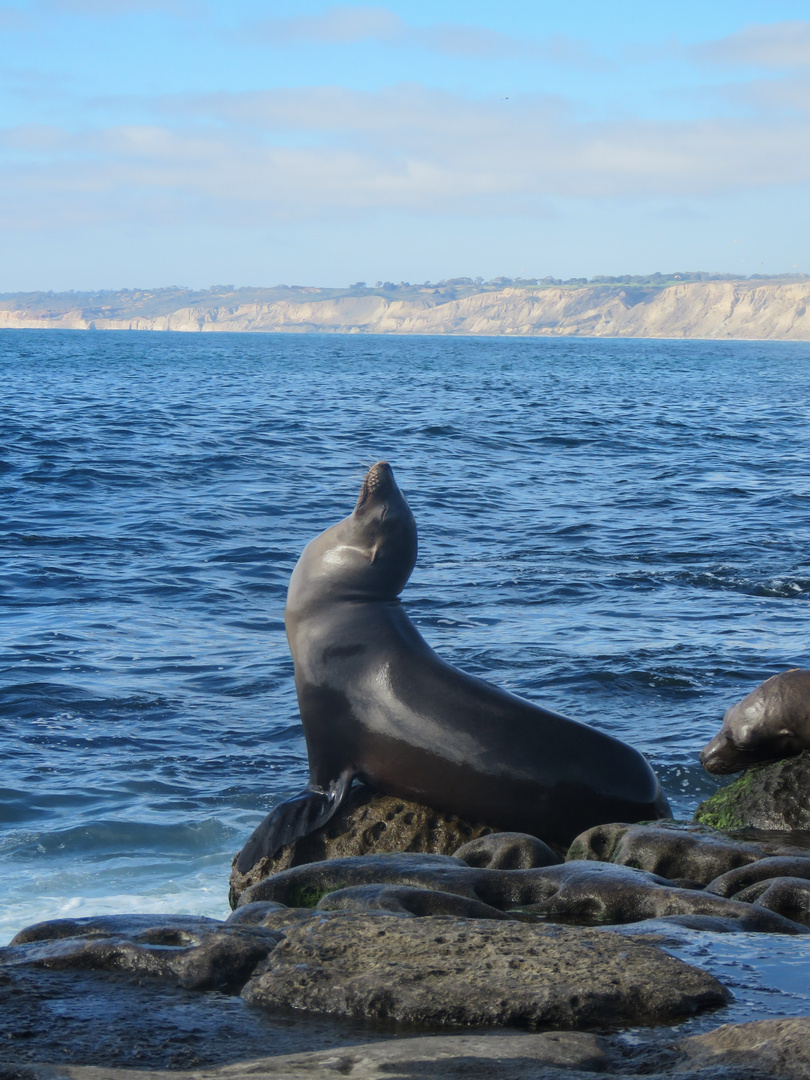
<point>125,839</point>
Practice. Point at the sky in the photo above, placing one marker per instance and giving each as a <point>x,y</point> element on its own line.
<point>147,143</point>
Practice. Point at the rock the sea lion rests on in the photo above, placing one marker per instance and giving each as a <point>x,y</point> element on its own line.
<point>369,823</point>
<point>769,724</point>
<point>379,706</point>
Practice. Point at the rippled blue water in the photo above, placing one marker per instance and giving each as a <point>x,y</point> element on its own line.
<point>617,529</point>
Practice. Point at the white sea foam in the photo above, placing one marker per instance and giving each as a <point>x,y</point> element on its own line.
<point>80,891</point>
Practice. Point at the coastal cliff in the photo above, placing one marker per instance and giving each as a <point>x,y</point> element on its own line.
<point>696,309</point>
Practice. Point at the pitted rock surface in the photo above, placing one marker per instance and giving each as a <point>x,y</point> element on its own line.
<point>776,866</point>
<point>507,851</point>
<point>195,953</point>
<point>770,796</point>
<point>788,896</point>
<point>681,853</point>
<point>599,893</point>
<point>779,1048</point>
<point>447,971</point>
<point>366,824</point>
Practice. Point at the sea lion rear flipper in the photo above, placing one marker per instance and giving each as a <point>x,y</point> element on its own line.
<point>290,820</point>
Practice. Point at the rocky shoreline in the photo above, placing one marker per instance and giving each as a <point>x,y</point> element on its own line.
<point>402,942</point>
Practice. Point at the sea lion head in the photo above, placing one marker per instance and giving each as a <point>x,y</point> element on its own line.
<point>368,556</point>
<point>758,729</point>
<point>383,519</point>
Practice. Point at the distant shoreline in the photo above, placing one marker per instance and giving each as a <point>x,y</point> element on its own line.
<point>701,307</point>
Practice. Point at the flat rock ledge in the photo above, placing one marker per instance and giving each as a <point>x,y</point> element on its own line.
<point>761,1050</point>
<point>445,971</point>
<point>146,994</point>
<point>764,797</point>
<point>437,972</point>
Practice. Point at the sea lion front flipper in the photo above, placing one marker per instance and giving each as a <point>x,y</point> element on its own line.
<point>292,819</point>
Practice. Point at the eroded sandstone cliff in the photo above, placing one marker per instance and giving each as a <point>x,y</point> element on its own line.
<point>705,309</point>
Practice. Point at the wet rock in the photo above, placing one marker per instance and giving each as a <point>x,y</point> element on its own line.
<point>269,915</point>
<point>787,896</point>
<point>406,900</point>
<point>507,851</point>
<point>367,824</point>
<point>693,853</point>
<point>256,914</point>
<point>77,1020</point>
<point>664,929</point>
<point>779,1048</point>
<point>448,971</point>
<point>556,1055</point>
<point>526,1056</point>
<point>768,1050</point>
<point>166,926</point>
<point>584,892</point>
<point>777,866</point>
<point>589,893</point>
<point>771,796</point>
<point>304,886</point>
<point>501,889</point>
<point>195,953</point>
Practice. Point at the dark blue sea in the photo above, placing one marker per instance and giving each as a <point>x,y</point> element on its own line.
<point>619,530</point>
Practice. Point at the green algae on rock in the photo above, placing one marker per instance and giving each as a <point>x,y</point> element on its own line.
<point>773,796</point>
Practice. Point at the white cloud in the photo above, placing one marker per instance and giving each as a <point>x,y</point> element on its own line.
<point>336,25</point>
<point>351,24</point>
<point>469,41</point>
<point>321,152</point>
<point>37,138</point>
<point>777,45</point>
<point>775,97</point>
<point>103,9</point>
<point>383,116</point>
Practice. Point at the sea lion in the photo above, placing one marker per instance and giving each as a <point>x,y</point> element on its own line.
<point>770,723</point>
<point>379,706</point>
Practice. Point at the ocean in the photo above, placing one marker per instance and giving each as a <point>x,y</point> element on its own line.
<point>616,529</point>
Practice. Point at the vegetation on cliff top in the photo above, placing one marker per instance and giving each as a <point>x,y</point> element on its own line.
<point>152,303</point>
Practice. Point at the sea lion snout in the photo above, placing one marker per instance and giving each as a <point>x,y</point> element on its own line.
<point>377,482</point>
<point>712,757</point>
<point>742,740</point>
